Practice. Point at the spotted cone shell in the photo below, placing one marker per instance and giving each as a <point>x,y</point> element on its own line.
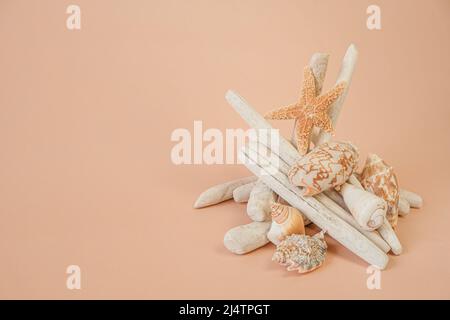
<point>326,166</point>
<point>379,178</point>
<point>301,253</point>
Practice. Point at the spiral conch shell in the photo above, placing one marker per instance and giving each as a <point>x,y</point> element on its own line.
<point>326,166</point>
<point>286,220</point>
<point>301,252</point>
<point>379,178</point>
<point>368,209</point>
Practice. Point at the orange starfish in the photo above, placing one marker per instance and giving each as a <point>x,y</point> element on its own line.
<point>311,111</point>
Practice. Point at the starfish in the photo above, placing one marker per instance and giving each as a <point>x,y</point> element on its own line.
<point>311,111</point>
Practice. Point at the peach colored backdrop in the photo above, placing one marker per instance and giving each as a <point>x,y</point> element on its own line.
<point>85,124</point>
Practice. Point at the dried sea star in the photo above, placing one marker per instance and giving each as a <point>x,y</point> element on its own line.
<point>311,111</point>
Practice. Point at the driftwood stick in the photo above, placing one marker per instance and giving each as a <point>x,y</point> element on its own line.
<point>391,238</point>
<point>403,207</point>
<point>415,201</point>
<point>242,193</point>
<point>220,192</point>
<point>257,121</point>
<point>248,237</point>
<point>345,74</point>
<point>258,206</point>
<point>318,64</point>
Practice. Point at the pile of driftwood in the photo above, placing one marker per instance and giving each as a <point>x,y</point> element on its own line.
<point>291,189</point>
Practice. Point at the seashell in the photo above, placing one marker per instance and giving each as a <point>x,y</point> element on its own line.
<point>301,252</point>
<point>286,220</point>
<point>306,221</point>
<point>326,166</point>
<point>379,178</point>
<point>248,237</point>
<point>367,209</point>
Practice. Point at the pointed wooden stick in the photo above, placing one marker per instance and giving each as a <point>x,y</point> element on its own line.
<point>220,192</point>
<point>403,207</point>
<point>345,74</point>
<point>258,206</point>
<point>242,193</point>
<point>415,201</point>
<point>248,237</point>
<point>391,238</point>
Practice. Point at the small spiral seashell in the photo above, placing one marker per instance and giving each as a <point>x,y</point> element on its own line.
<point>286,220</point>
<point>301,252</point>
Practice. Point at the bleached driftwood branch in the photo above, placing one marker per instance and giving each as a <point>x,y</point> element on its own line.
<point>248,237</point>
<point>403,207</point>
<point>258,206</point>
<point>391,238</point>
<point>220,192</point>
<point>345,74</point>
<point>242,193</point>
<point>414,200</point>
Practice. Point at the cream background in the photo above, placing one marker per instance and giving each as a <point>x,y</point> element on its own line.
<point>85,124</point>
